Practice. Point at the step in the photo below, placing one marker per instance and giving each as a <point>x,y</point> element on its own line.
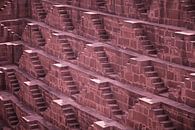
<point>38,66</point>
<point>34,57</point>
<point>42,108</point>
<point>70,114</point>
<point>12,76</point>
<point>170,128</point>
<point>101,54</point>
<point>34,90</point>
<point>152,51</point>
<point>13,81</point>
<point>14,122</point>
<point>35,95</point>
<point>167,123</point>
<point>148,68</point>
<point>111,101</point>
<point>38,99</point>
<point>105,89</point>
<point>70,82</point>
<point>162,117</point>
<point>72,92</point>
<point>109,70</point>
<point>74,125</point>
<point>71,120</point>
<point>65,73</point>
<point>11,118</point>
<point>151,73</point>
<point>40,103</point>
<point>107,95</point>
<point>162,89</point>
<point>158,84</point>
<point>8,105</point>
<point>34,126</point>
<point>155,79</point>
<point>116,111</point>
<point>67,78</point>
<point>113,106</point>
<point>158,111</point>
<point>103,59</point>
<point>10,73</point>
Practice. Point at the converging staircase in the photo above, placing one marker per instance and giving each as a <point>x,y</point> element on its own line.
<point>38,97</point>
<point>150,72</point>
<point>38,35</point>
<point>5,4</point>
<point>101,4</point>
<point>149,48</point>
<point>67,50</point>
<point>7,34</point>
<point>39,12</point>
<point>11,114</point>
<point>189,7</point>
<point>141,8</point>
<point>112,103</point>
<point>164,119</point>
<point>99,27</point>
<point>37,65</point>
<point>70,117</point>
<point>106,66</point>
<point>13,82</point>
<point>70,83</point>
<point>66,19</point>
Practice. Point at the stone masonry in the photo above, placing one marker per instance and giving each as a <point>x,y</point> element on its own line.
<point>97,65</point>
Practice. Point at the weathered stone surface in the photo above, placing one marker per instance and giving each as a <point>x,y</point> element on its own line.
<point>97,65</point>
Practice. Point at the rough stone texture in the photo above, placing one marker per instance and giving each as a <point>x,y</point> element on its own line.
<point>97,65</point>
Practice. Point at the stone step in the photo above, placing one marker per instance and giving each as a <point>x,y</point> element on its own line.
<point>158,111</point>
<point>167,123</point>
<point>107,95</point>
<point>34,126</point>
<point>161,89</point>
<point>162,117</point>
<point>151,73</point>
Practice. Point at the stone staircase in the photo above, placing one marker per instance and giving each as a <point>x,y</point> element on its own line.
<point>70,83</point>
<point>103,59</point>
<point>141,8</point>
<point>164,119</point>
<point>38,97</point>
<point>67,49</point>
<point>13,80</point>
<point>38,35</point>
<point>66,19</point>
<point>157,82</point>
<point>39,11</point>
<point>10,113</point>
<point>40,73</point>
<point>7,34</point>
<point>6,4</point>
<point>34,126</point>
<point>99,26</point>
<point>101,4</point>
<point>149,48</point>
<point>70,117</point>
<point>112,103</point>
<point>189,7</point>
